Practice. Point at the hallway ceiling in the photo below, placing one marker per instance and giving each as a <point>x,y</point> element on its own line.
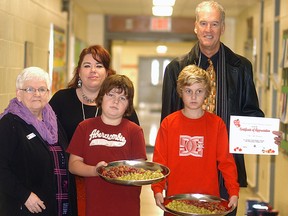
<point>182,8</point>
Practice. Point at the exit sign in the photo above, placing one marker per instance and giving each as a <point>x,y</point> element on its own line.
<point>160,24</point>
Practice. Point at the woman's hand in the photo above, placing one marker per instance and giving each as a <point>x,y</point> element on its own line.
<point>233,201</point>
<point>159,199</point>
<point>34,204</point>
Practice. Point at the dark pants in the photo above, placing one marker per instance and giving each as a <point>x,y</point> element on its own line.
<point>224,194</point>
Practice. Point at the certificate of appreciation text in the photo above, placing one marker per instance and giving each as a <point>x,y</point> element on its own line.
<point>253,135</point>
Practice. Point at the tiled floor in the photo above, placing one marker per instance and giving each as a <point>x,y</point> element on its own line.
<point>150,123</point>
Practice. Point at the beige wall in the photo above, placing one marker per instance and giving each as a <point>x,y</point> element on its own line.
<point>96,29</point>
<point>281,186</point>
<point>79,24</point>
<point>20,21</point>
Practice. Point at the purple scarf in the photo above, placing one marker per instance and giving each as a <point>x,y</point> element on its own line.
<point>47,128</point>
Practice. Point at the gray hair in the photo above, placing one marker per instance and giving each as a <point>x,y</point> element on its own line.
<point>212,4</point>
<point>32,73</point>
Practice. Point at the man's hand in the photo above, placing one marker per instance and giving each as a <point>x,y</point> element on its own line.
<point>278,138</point>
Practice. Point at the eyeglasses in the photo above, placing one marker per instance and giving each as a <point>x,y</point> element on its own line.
<point>31,90</point>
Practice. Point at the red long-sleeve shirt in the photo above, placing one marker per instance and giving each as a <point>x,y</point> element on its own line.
<point>194,150</point>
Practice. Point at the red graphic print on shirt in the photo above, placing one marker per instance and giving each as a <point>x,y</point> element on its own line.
<point>191,145</point>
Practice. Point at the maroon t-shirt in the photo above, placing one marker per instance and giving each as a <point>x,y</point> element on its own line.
<point>95,141</point>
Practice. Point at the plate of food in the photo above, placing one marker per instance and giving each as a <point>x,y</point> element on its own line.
<point>197,205</point>
<point>133,172</point>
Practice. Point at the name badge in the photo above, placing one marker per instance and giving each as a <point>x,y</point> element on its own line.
<point>30,136</point>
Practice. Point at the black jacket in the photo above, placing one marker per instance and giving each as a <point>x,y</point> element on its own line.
<point>241,100</point>
<point>26,165</point>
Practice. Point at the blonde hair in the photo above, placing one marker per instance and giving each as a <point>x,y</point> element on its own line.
<point>193,74</point>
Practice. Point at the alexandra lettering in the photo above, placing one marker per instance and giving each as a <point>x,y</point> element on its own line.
<point>98,134</point>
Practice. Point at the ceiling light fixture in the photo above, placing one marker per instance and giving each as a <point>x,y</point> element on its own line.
<point>163,2</point>
<point>162,10</point>
<point>161,49</point>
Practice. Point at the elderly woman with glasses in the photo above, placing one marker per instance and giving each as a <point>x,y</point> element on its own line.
<point>33,162</point>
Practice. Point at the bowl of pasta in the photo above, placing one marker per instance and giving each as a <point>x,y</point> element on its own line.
<point>133,172</point>
<point>196,205</point>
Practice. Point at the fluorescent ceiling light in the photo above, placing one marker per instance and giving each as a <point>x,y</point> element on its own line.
<point>161,49</point>
<point>164,2</point>
<point>162,10</point>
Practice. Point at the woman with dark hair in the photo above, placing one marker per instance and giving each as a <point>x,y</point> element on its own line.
<point>77,102</point>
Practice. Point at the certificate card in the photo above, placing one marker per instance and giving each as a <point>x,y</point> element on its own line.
<point>253,135</point>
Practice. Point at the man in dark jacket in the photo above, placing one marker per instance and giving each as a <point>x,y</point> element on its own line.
<point>236,94</point>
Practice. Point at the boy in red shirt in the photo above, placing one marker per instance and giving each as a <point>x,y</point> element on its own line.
<point>193,143</point>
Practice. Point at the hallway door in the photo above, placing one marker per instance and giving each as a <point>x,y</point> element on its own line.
<point>151,71</point>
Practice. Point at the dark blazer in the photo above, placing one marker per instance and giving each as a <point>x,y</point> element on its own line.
<point>241,93</point>
<point>26,165</point>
